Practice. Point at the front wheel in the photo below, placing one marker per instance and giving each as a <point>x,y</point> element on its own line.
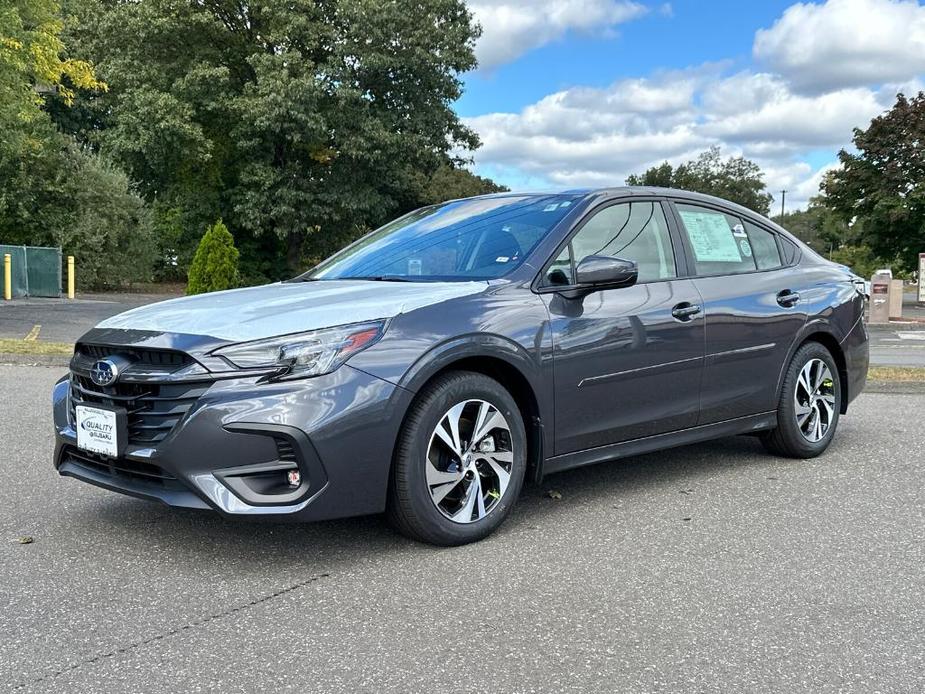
<point>460,461</point>
<point>809,406</point>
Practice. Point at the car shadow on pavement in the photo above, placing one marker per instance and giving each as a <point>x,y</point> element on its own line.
<point>204,535</point>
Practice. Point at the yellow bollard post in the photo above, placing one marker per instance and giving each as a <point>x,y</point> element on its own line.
<point>70,277</point>
<point>7,276</point>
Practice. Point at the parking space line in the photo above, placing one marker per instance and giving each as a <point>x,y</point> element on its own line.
<point>34,333</point>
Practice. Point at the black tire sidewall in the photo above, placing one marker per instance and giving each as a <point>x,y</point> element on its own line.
<point>413,454</point>
<point>789,431</point>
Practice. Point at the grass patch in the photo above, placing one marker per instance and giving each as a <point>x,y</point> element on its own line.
<point>903,374</point>
<point>35,347</point>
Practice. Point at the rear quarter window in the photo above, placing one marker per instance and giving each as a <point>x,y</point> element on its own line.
<point>763,246</point>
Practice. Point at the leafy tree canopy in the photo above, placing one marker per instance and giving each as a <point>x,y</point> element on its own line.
<point>302,118</point>
<point>32,60</point>
<point>881,187</point>
<point>736,179</point>
<point>53,192</point>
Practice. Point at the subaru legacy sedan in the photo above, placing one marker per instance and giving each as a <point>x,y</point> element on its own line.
<point>430,368</point>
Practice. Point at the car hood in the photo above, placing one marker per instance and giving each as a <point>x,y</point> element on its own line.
<point>253,313</point>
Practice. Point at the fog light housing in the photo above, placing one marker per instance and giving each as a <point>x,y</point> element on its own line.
<point>294,477</point>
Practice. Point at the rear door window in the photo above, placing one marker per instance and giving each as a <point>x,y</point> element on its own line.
<point>718,241</point>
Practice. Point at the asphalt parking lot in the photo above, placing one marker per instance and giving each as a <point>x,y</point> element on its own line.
<point>65,320</point>
<point>709,568</point>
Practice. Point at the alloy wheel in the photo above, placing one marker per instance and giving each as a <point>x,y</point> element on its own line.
<point>814,400</point>
<point>469,461</point>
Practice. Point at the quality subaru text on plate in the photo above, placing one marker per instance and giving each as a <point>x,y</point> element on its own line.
<point>433,366</point>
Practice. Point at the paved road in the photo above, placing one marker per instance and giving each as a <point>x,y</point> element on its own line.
<point>710,568</point>
<point>62,320</point>
<point>902,345</point>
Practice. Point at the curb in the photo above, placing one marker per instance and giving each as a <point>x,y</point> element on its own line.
<point>896,325</point>
<point>34,359</point>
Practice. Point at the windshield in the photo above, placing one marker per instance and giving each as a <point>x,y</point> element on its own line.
<point>475,239</point>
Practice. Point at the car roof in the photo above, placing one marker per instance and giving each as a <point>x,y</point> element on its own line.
<point>631,191</point>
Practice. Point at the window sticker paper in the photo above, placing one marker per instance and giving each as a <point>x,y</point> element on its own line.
<point>711,237</point>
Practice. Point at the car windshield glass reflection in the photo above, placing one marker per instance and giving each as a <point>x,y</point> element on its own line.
<point>476,239</point>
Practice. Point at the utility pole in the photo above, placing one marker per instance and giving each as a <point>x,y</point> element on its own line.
<point>783,197</point>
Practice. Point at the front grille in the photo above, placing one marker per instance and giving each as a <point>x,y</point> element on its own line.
<point>122,468</point>
<point>149,357</point>
<point>154,403</point>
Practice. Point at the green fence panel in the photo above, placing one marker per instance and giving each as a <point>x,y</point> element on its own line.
<point>20,276</point>
<point>36,270</point>
<point>43,267</point>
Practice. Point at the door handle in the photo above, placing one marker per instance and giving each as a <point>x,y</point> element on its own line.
<point>685,311</point>
<point>787,298</point>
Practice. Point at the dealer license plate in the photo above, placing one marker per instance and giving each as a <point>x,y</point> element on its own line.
<point>97,430</point>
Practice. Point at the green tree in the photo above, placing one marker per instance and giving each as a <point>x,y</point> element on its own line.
<point>32,60</point>
<point>881,186</point>
<point>859,258</point>
<point>109,228</point>
<point>450,182</point>
<point>737,179</point>
<point>53,192</point>
<point>215,265</point>
<point>62,195</point>
<point>302,119</point>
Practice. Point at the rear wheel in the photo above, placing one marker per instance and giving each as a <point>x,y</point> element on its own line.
<point>809,406</point>
<point>460,461</point>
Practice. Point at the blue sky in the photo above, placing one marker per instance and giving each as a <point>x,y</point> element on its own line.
<point>585,92</point>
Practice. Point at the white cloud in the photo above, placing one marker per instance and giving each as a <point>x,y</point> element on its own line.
<point>511,28</point>
<point>799,180</point>
<point>587,136</point>
<point>759,110</point>
<point>596,137</point>
<point>829,68</point>
<point>845,43</point>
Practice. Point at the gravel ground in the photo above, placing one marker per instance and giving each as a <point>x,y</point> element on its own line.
<point>712,568</point>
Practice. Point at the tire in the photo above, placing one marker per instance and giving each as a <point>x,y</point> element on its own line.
<point>807,416</point>
<point>432,485</point>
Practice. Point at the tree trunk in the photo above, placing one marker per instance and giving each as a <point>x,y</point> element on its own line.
<point>294,251</point>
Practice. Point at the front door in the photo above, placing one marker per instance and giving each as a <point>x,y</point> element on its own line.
<point>627,362</point>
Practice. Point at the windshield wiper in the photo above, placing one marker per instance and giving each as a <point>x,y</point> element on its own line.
<point>379,278</point>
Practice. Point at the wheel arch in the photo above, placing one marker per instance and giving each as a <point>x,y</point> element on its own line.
<point>499,359</point>
<point>821,333</point>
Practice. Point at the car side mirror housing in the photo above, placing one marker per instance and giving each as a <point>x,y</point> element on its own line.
<point>598,272</point>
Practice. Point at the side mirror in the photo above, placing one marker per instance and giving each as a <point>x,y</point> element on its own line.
<point>605,272</point>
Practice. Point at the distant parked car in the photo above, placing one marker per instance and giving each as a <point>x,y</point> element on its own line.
<point>431,367</point>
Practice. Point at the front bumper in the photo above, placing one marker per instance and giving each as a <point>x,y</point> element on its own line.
<point>232,449</point>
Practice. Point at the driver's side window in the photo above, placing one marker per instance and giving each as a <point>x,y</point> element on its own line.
<point>634,231</point>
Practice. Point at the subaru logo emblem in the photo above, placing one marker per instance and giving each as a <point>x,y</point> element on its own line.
<point>104,373</point>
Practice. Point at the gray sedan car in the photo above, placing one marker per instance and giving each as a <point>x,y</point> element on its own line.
<point>433,366</point>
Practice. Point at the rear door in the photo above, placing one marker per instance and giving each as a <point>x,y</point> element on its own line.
<point>752,309</point>
<point>627,362</point>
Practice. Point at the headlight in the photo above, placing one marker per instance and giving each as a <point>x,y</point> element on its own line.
<point>305,354</point>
